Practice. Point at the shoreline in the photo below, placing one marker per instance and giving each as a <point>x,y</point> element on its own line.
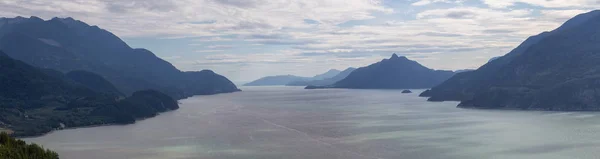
<point>90,126</point>
<point>109,124</point>
<point>69,128</point>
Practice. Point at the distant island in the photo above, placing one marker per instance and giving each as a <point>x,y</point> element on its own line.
<point>291,80</point>
<point>556,71</point>
<point>393,73</point>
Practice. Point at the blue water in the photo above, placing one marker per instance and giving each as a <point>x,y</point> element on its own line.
<point>292,123</point>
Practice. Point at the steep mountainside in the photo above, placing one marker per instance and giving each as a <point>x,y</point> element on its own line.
<point>68,45</point>
<point>35,101</point>
<point>94,82</point>
<point>555,70</point>
<point>394,73</point>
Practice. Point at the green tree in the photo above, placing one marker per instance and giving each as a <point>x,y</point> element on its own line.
<point>11,148</point>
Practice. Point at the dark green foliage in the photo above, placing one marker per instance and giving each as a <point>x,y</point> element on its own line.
<point>394,73</point>
<point>154,99</point>
<point>555,70</point>
<point>23,82</point>
<point>11,148</point>
<point>148,103</point>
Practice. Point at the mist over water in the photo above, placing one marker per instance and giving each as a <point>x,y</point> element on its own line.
<point>293,123</point>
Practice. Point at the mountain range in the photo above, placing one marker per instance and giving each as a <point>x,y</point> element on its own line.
<point>290,79</point>
<point>324,82</point>
<point>556,70</point>
<point>34,101</point>
<point>66,45</point>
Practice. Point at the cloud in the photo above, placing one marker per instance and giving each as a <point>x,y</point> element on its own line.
<point>171,57</point>
<point>561,15</point>
<point>460,14</point>
<point>426,2</point>
<point>499,31</point>
<point>439,34</point>
<point>241,4</point>
<point>136,18</point>
<point>208,51</point>
<point>219,46</point>
<point>544,3</point>
<point>309,35</point>
<point>119,6</point>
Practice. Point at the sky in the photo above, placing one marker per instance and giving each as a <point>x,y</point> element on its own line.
<point>248,39</point>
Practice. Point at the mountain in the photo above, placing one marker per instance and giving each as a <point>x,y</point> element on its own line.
<point>329,74</point>
<point>324,82</point>
<point>555,70</point>
<point>147,103</point>
<point>394,73</point>
<point>463,70</point>
<point>276,80</point>
<point>66,45</point>
<point>288,79</point>
<point>34,101</point>
<point>94,82</point>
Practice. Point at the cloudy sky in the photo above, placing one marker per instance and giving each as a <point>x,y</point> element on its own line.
<point>248,39</point>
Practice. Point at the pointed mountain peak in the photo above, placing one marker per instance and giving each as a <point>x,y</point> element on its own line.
<point>396,57</point>
<point>36,18</point>
<point>333,70</point>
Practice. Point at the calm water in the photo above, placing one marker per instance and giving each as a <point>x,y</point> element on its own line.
<point>292,123</point>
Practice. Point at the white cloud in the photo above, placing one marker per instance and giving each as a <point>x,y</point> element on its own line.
<point>427,2</point>
<point>561,15</point>
<point>189,17</point>
<point>544,3</point>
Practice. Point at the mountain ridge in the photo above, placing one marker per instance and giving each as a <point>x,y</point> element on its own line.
<point>290,80</point>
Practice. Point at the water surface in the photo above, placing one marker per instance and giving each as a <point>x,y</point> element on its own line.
<point>292,123</point>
